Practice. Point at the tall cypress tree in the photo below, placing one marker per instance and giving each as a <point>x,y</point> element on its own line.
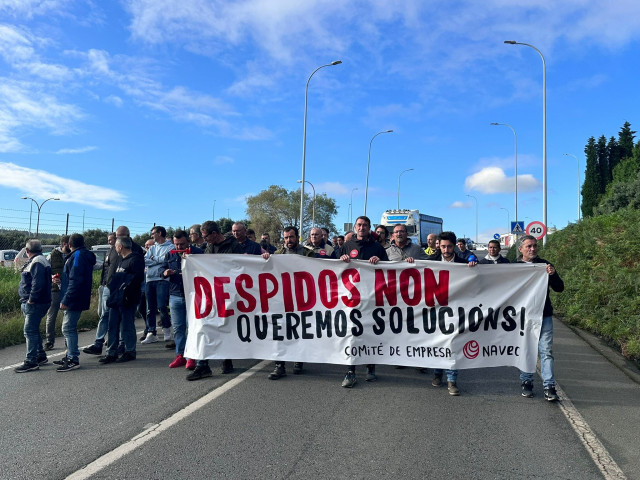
<point>591,187</point>
<point>603,163</point>
<point>625,140</point>
<point>613,156</point>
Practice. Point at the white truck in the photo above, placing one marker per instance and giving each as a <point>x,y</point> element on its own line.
<point>419,225</point>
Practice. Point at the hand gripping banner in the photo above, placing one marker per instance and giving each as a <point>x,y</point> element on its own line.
<point>425,314</point>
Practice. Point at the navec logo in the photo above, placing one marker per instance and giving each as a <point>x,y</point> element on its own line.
<point>471,349</point>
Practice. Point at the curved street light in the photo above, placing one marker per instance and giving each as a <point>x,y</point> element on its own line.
<point>508,219</point>
<point>313,214</point>
<point>366,188</point>
<point>544,132</point>
<point>579,199</point>
<point>304,140</point>
<point>515,138</point>
<point>471,196</point>
<point>39,205</point>
<point>407,170</point>
<point>351,208</point>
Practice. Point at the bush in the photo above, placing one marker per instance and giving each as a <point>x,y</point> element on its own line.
<point>599,261</point>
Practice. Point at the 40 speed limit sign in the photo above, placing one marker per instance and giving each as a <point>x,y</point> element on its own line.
<point>536,229</point>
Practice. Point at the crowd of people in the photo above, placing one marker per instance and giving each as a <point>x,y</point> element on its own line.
<point>148,280</point>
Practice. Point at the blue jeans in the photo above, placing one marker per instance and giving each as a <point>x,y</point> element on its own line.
<point>452,375</point>
<point>157,297</point>
<point>52,316</point>
<point>33,313</point>
<point>178,307</point>
<point>122,320</point>
<point>103,323</point>
<point>70,331</point>
<point>545,345</point>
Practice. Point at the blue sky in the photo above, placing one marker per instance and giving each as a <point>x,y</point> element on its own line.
<point>152,110</point>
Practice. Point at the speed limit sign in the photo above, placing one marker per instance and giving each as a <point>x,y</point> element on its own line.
<point>536,229</point>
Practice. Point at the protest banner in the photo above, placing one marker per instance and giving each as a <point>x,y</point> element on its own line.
<point>424,314</point>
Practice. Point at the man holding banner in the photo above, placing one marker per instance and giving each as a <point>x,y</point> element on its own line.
<point>292,247</point>
<point>363,247</point>
<point>528,248</point>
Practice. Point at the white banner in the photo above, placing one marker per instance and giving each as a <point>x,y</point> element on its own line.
<point>426,314</point>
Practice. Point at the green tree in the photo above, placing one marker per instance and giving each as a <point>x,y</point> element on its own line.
<point>95,237</point>
<point>603,163</point>
<point>613,157</point>
<point>625,140</point>
<point>591,186</point>
<point>276,207</point>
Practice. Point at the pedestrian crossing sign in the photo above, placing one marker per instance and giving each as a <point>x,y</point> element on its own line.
<point>517,227</point>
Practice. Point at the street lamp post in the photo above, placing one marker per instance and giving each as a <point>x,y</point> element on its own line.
<point>213,211</point>
<point>544,132</point>
<point>351,208</point>
<point>39,205</point>
<point>508,219</point>
<point>515,138</point>
<point>366,188</point>
<point>579,202</point>
<point>304,140</point>
<point>407,170</point>
<point>313,212</point>
<point>471,196</point>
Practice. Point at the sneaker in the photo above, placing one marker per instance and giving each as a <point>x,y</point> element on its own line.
<point>191,364</point>
<point>371,374</point>
<point>527,389</point>
<point>150,338</point>
<point>68,365</point>
<point>48,346</point>
<point>278,372</point>
<point>167,334</point>
<point>297,368</point>
<point>43,360</point>
<point>93,350</point>
<point>453,389</point>
<point>107,359</point>
<point>201,371</point>
<point>550,394</point>
<point>179,361</point>
<point>127,357</point>
<point>170,345</point>
<point>27,367</point>
<point>437,380</point>
<point>144,335</point>
<point>349,380</point>
<point>227,367</point>
<point>59,362</point>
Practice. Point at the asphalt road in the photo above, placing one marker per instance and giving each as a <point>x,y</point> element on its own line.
<point>140,421</point>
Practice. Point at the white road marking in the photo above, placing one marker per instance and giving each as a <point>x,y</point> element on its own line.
<point>607,465</point>
<point>154,430</point>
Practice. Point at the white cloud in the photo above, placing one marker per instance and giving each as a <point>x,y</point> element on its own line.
<point>494,180</point>
<point>42,184</point>
<point>460,205</point>
<point>331,188</point>
<point>222,159</point>
<point>114,100</point>
<point>75,150</point>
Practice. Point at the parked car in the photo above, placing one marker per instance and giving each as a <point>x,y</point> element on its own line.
<point>7,256</point>
<point>21,258</point>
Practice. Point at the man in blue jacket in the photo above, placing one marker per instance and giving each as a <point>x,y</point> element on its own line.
<point>35,298</point>
<point>75,296</point>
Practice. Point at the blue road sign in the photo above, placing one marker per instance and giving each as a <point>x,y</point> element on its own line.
<point>496,236</point>
<point>517,227</point>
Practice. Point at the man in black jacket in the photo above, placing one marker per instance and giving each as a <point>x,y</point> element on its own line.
<point>528,247</point>
<point>493,256</point>
<point>216,243</point>
<point>124,295</point>
<point>362,247</point>
<point>446,253</point>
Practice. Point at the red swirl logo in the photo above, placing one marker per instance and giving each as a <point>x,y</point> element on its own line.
<point>353,253</point>
<point>471,349</point>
